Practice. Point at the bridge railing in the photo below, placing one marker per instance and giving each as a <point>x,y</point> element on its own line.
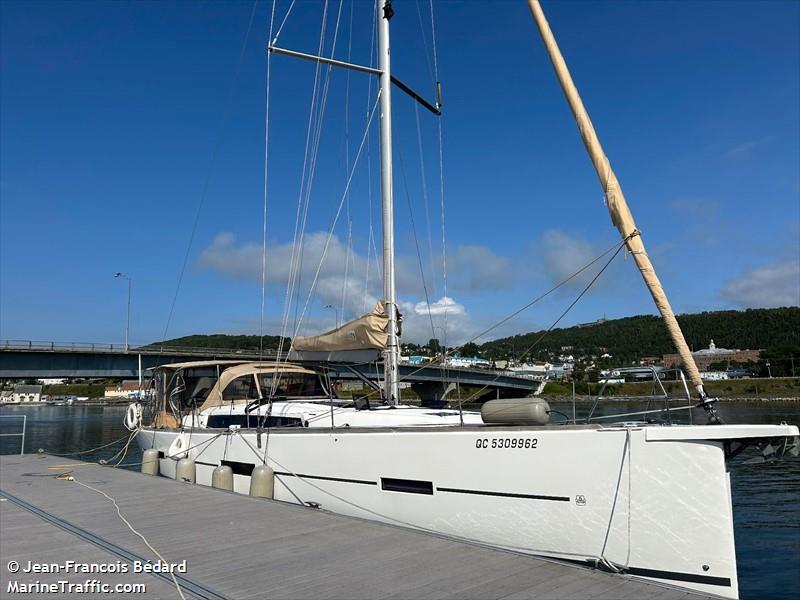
<point>51,346</point>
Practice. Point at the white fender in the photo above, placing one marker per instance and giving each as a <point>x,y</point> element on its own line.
<point>133,416</point>
<point>179,448</point>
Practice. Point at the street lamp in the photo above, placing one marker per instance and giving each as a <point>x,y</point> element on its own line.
<point>128,320</point>
<point>336,312</point>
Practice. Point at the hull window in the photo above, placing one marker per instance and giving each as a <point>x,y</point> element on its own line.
<point>409,486</point>
<point>239,468</point>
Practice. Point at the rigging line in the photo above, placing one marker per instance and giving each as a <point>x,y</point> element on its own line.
<point>347,163</point>
<point>583,292</point>
<point>620,246</point>
<point>305,193</point>
<point>338,212</point>
<point>425,195</point>
<point>286,16</point>
<point>91,449</point>
<point>303,199</point>
<point>416,241</point>
<point>444,239</point>
<point>616,246</point>
<point>266,163</point>
<point>371,237</point>
<point>292,261</point>
<point>315,152</point>
<point>276,380</point>
<point>433,39</point>
<point>545,294</point>
<point>441,178</point>
<point>211,164</point>
<point>425,43</point>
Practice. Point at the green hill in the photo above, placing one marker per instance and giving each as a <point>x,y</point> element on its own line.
<point>627,339</point>
<point>631,338</point>
<point>221,341</point>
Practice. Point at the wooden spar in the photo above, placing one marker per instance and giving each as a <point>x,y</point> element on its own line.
<point>617,206</point>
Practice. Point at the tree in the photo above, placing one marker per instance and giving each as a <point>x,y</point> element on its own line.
<point>470,349</point>
<point>434,346</point>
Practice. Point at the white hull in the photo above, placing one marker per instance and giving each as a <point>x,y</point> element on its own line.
<point>654,501</point>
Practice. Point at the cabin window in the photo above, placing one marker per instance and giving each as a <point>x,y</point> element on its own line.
<point>241,388</point>
<point>251,421</point>
<point>292,385</point>
<point>187,388</point>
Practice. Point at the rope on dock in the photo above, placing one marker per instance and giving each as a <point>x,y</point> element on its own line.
<point>67,477</point>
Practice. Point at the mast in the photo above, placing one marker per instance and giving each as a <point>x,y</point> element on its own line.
<point>385,12</point>
<point>617,206</point>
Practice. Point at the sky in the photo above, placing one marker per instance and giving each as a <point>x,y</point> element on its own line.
<point>133,139</point>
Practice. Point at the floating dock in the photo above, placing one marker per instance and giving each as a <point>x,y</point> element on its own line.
<point>239,547</point>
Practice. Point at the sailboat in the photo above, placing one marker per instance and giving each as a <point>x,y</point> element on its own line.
<point>644,498</point>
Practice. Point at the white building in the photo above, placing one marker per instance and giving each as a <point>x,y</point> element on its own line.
<point>52,381</point>
<point>24,394</point>
<point>126,389</point>
<point>467,361</point>
<point>714,375</point>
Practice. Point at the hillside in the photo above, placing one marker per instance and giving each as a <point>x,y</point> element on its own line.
<point>631,338</point>
<point>221,341</point>
<point>627,339</point>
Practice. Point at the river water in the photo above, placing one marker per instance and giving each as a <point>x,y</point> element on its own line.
<point>766,497</point>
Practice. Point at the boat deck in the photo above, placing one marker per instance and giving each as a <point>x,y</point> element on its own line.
<point>240,547</point>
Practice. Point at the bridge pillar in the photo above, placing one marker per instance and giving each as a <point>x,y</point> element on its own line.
<point>433,393</point>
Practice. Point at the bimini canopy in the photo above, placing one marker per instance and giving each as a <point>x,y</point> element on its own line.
<point>361,340</point>
<point>216,396</point>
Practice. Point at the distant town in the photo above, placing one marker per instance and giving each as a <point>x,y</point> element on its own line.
<point>759,344</point>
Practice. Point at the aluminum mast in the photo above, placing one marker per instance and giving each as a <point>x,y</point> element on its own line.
<point>615,199</point>
<point>385,12</point>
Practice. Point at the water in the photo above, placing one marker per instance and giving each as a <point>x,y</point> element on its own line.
<point>766,497</point>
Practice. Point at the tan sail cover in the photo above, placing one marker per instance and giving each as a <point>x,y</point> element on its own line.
<point>617,206</point>
<point>367,332</point>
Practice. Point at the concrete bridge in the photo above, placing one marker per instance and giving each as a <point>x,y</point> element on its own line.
<point>21,359</point>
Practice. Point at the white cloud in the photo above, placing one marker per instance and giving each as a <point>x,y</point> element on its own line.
<point>474,268</point>
<point>772,285</point>
<point>561,255</point>
<point>442,306</point>
<point>470,268</point>
<point>448,321</point>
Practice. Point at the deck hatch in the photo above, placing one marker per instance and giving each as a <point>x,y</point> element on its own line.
<point>409,486</point>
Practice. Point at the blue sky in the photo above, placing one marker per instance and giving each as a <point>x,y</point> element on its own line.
<point>116,116</point>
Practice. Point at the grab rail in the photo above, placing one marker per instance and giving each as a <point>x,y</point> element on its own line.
<point>22,434</point>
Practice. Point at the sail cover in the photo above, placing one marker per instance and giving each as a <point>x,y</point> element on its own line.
<point>369,332</point>
<point>617,206</point>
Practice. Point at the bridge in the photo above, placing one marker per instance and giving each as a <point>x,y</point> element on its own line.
<point>25,359</point>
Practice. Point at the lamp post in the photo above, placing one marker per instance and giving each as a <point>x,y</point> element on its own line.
<point>336,312</point>
<point>128,319</point>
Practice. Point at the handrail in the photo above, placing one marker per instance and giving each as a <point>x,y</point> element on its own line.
<point>24,427</point>
<point>52,346</point>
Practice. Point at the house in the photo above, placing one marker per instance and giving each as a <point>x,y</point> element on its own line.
<point>6,397</point>
<point>27,393</point>
<point>126,389</point>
